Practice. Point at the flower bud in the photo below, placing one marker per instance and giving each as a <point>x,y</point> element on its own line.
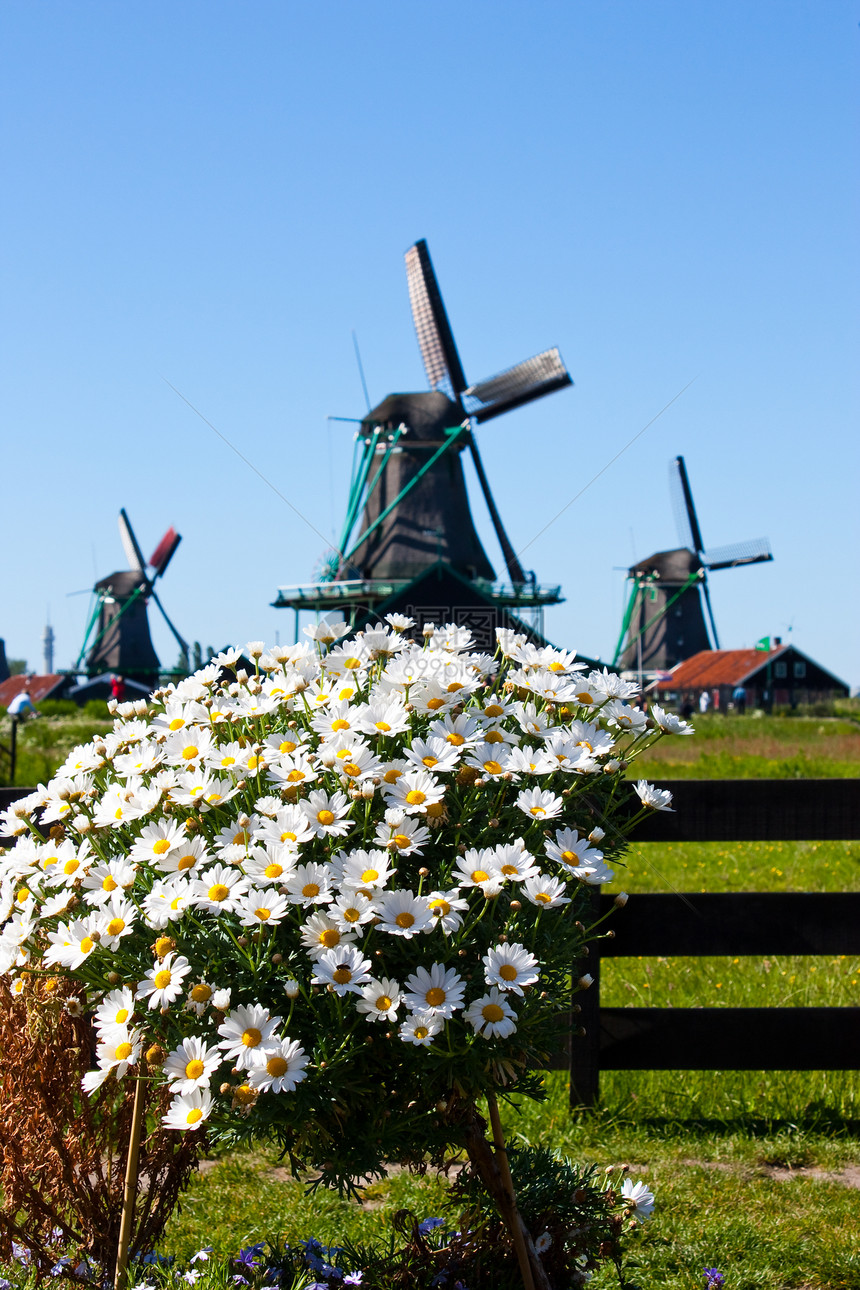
<point>585,981</point>
<point>621,899</point>
<point>156,1055</point>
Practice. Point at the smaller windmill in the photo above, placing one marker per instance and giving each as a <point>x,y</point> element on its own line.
<point>669,606</point>
<point>117,638</point>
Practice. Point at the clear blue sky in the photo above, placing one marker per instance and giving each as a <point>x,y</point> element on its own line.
<point>219,193</point>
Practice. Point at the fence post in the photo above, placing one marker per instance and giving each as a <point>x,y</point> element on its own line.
<point>585,1046</point>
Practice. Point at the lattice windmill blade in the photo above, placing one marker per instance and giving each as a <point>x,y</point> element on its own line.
<point>183,644</point>
<point>529,380</point>
<point>435,338</point>
<point>164,552</point>
<point>685,512</point>
<point>133,553</point>
<point>755,551</point>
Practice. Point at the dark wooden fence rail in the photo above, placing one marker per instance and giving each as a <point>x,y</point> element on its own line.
<point>732,923</point>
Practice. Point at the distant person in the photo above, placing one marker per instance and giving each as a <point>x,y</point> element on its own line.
<point>117,688</point>
<point>739,697</point>
<point>22,706</point>
<point>704,702</point>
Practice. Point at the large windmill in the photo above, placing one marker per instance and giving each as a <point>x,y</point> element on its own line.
<point>669,606</point>
<point>117,638</point>
<point>408,540</point>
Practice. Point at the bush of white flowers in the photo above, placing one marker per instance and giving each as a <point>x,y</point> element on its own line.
<point>334,897</point>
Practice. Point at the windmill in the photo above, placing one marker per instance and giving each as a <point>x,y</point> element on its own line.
<point>117,638</point>
<point>408,512</point>
<point>669,606</point>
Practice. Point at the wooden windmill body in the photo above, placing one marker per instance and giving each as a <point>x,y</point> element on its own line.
<point>409,543</point>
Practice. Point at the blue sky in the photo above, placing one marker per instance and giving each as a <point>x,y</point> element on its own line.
<point>216,195</point>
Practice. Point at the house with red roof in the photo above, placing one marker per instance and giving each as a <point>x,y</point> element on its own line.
<point>782,676</point>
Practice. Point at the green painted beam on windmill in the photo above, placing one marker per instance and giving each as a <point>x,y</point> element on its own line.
<point>107,627</point>
<point>357,490</point>
<point>694,577</point>
<point>90,626</point>
<point>452,436</point>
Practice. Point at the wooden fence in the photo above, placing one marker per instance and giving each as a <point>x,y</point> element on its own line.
<point>731,923</point>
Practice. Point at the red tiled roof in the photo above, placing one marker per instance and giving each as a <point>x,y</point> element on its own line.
<point>39,686</point>
<point>712,667</point>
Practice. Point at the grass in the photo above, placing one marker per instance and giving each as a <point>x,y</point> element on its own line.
<point>44,744</point>
<point>756,1173</point>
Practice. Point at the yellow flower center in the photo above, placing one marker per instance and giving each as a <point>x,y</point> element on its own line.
<point>402,841</point>
<point>543,897</point>
<point>329,938</point>
<point>325,817</point>
<point>70,866</point>
<point>228,761</point>
<point>251,1037</point>
<point>509,870</point>
<point>273,870</point>
<point>218,892</point>
<point>537,810</point>
<point>194,1116</point>
<point>162,979</point>
<point>22,896</point>
<point>287,746</point>
<point>286,836</point>
<point>454,686</point>
<point>122,1051</point>
<point>421,1032</point>
<point>435,810</point>
<point>415,797</point>
<point>455,739</point>
<point>492,1012</point>
<point>340,724</point>
<point>351,769</point>
<point>439,908</point>
<point>352,663</point>
<point>342,975</point>
<point>201,993</point>
<point>492,767</point>
<point>494,710</point>
<point>430,762</point>
<point>161,846</point>
<point>556,666</point>
<point>177,723</point>
<point>310,890</point>
<point>494,737</point>
<point>569,856</point>
<point>585,697</point>
<point>370,875</point>
<point>194,1069</point>
<point>405,919</point>
<point>480,875</point>
<point>115,926</point>
<point>295,776</point>
<point>383,1003</point>
<point>185,862</point>
<point>122,1016</point>
<point>244,1095</point>
<point>433,704</point>
<point>87,944</point>
<point>508,972</point>
<point>435,996</point>
<point>277,1066</point>
<point>109,884</point>
<point>190,752</point>
<point>383,726</point>
<point>263,914</point>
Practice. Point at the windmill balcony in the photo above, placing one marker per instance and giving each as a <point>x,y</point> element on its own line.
<point>331,595</point>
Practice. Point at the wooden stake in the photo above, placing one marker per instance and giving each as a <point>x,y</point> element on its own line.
<point>130,1190</point>
<point>531,1269</point>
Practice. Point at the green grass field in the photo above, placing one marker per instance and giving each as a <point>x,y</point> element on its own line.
<point>755,1173</point>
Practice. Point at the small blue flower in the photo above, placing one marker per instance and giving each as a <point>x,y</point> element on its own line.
<point>202,1255</point>
<point>714,1280</point>
<point>428,1225</point>
<point>4,1284</point>
<point>354,1279</point>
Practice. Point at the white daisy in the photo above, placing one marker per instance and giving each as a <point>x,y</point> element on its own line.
<point>247,1034</point>
<point>438,991</point>
<point>188,1110</point>
<point>191,1065</point>
<point>162,984</point>
<point>510,967</point>
<point>283,1069</point>
<point>380,1000</point>
<point>321,933</point>
<point>545,891</point>
<point>401,913</point>
<point>420,1028</point>
<point>492,1016</point>
<point>261,907</point>
<point>539,804</point>
<point>344,969</point>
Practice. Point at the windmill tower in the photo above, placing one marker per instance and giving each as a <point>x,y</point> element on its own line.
<point>669,606</point>
<point>408,541</point>
<point>117,638</point>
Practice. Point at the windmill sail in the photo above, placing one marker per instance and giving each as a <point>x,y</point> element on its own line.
<point>163,553</point>
<point>518,385</point>
<point>685,512</point>
<point>435,338</point>
<point>133,553</point>
<point>754,551</point>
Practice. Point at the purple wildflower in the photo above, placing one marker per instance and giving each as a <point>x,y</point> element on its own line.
<point>714,1280</point>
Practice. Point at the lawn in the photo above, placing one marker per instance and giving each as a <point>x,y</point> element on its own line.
<point>755,1173</point>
